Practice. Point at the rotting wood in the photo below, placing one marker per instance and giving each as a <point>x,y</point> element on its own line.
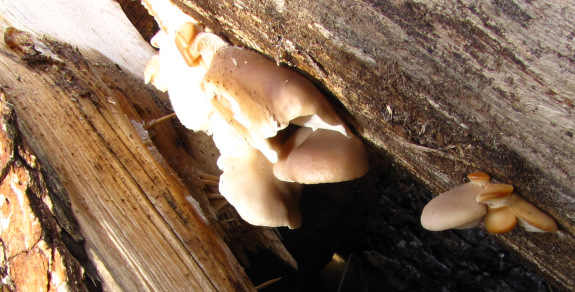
<point>33,255</point>
<point>77,113</point>
<point>442,89</point>
<point>102,26</point>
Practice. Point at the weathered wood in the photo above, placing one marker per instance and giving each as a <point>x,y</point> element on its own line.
<point>80,118</point>
<point>442,89</point>
<point>102,27</point>
<point>33,255</point>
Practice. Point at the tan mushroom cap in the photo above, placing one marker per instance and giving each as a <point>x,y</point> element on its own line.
<point>259,98</point>
<point>184,38</point>
<point>260,199</point>
<point>479,178</point>
<point>248,183</point>
<point>530,217</point>
<point>495,195</point>
<point>321,156</point>
<point>500,220</point>
<point>455,208</point>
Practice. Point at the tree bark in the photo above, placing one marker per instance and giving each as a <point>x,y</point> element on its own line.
<point>442,90</point>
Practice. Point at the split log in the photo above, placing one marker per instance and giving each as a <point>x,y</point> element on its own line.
<point>442,90</point>
<point>107,199</point>
<point>82,117</point>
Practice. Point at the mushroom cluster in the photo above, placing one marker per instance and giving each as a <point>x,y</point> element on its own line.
<point>495,204</point>
<point>275,130</point>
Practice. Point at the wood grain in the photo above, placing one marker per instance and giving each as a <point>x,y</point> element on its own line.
<point>78,114</point>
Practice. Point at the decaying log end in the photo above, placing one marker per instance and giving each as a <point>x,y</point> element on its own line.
<point>83,118</point>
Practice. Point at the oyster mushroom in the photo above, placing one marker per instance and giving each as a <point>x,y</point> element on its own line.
<point>456,208</point>
<point>321,156</point>
<point>246,101</point>
<point>500,218</point>
<point>259,98</point>
<point>530,217</point>
<point>247,182</point>
<point>499,207</point>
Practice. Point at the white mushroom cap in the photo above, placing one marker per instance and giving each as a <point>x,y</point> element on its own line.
<point>248,183</point>
<point>455,208</point>
<point>321,156</point>
<point>259,98</point>
<point>168,71</point>
<point>153,75</point>
<point>530,217</point>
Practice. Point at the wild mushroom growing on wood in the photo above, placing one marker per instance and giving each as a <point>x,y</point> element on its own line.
<point>500,217</point>
<point>496,204</point>
<point>321,156</point>
<point>530,217</point>
<point>247,102</point>
<point>456,208</point>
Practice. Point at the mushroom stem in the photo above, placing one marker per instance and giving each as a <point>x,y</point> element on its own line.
<point>183,39</point>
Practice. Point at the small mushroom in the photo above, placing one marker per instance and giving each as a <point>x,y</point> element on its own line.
<point>500,217</point>
<point>530,217</point>
<point>184,37</point>
<point>479,178</point>
<point>248,183</point>
<point>204,47</point>
<point>495,195</point>
<point>500,220</point>
<point>321,156</point>
<point>456,208</point>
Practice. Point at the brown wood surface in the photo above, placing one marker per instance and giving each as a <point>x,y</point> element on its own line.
<point>91,126</point>
<point>442,90</point>
<point>83,118</point>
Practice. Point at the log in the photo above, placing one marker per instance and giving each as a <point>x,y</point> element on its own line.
<point>105,201</point>
<point>79,116</point>
<point>442,90</point>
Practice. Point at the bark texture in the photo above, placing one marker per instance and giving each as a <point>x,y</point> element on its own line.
<point>442,90</point>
